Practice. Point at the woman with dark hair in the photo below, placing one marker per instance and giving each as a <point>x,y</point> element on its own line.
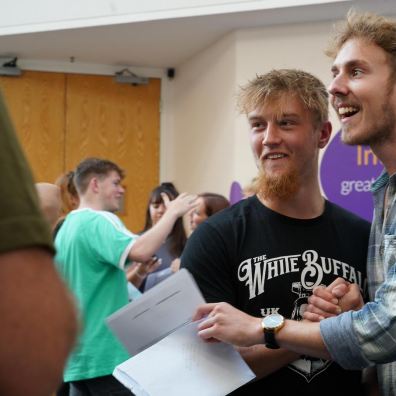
<point>208,205</point>
<point>171,249</point>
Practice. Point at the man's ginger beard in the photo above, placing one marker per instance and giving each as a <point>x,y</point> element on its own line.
<point>283,186</point>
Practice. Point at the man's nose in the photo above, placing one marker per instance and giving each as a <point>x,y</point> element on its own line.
<point>271,135</point>
<point>338,85</point>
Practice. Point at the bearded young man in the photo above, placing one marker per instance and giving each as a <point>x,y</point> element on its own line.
<point>265,254</point>
<point>364,95</point>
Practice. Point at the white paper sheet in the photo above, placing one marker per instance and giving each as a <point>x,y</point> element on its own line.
<point>182,364</point>
<point>157,313</point>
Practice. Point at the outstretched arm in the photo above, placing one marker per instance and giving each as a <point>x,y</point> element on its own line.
<point>225,323</point>
<point>38,323</point>
<point>147,244</point>
<point>228,324</point>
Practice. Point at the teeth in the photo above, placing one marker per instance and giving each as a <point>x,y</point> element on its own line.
<point>274,156</point>
<point>346,110</point>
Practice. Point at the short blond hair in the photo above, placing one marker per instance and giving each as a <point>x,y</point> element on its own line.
<point>277,84</point>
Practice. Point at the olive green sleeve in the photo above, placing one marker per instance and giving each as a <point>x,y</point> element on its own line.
<point>21,222</point>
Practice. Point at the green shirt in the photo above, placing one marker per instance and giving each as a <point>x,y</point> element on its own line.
<point>92,247</point>
<point>21,222</point>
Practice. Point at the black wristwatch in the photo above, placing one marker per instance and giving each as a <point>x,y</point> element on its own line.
<point>271,324</point>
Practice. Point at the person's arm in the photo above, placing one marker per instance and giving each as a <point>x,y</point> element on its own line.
<point>138,272</point>
<point>38,326</point>
<point>148,243</point>
<point>362,337</point>
<point>263,361</point>
<point>303,337</point>
<point>38,320</point>
<point>371,330</point>
<point>228,324</point>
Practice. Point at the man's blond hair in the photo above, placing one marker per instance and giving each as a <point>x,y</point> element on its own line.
<point>284,83</point>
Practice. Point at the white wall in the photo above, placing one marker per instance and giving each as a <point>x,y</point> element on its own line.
<point>204,119</point>
<point>210,138</point>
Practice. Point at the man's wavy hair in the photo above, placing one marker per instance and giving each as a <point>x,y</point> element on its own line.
<point>369,27</point>
<point>280,84</point>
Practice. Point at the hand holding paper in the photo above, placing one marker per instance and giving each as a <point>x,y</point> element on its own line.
<point>173,360</point>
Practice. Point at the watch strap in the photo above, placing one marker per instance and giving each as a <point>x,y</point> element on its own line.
<point>270,340</point>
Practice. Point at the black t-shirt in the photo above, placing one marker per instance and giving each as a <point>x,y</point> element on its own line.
<point>263,262</point>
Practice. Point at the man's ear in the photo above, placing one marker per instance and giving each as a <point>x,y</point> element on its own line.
<point>324,134</point>
<point>94,184</point>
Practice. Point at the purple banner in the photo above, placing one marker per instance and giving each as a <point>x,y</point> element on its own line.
<point>346,175</point>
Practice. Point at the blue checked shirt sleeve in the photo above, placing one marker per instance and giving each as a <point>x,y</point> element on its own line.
<point>342,342</point>
<point>368,336</point>
<point>375,325</point>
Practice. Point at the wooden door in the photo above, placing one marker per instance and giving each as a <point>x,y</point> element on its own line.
<point>119,122</point>
<point>64,118</point>
<point>36,102</point>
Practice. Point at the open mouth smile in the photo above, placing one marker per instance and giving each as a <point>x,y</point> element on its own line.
<point>274,156</point>
<point>347,111</point>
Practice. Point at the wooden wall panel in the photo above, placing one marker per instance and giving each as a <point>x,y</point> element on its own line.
<point>119,122</point>
<point>36,101</point>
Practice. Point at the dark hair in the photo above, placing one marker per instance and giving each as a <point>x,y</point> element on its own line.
<point>214,203</point>
<point>91,167</point>
<point>177,236</point>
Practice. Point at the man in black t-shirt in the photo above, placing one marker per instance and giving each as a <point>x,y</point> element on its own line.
<point>265,254</point>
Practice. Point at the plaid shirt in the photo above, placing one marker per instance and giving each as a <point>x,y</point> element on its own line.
<point>372,330</point>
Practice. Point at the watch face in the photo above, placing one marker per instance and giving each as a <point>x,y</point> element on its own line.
<point>273,321</point>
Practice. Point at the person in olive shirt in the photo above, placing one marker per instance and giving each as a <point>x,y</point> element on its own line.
<point>38,318</point>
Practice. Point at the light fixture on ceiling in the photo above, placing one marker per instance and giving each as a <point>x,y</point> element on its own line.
<point>8,67</point>
<point>125,76</point>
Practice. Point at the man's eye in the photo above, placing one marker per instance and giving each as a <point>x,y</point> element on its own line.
<point>356,72</point>
<point>258,125</point>
<point>286,123</point>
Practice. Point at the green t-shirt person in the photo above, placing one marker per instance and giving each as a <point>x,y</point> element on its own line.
<point>92,249</point>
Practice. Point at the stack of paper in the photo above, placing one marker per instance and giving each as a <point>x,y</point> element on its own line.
<point>170,358</point>
<point>183,365</point>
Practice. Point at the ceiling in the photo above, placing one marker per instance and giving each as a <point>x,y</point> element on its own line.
<point>164,43</point>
